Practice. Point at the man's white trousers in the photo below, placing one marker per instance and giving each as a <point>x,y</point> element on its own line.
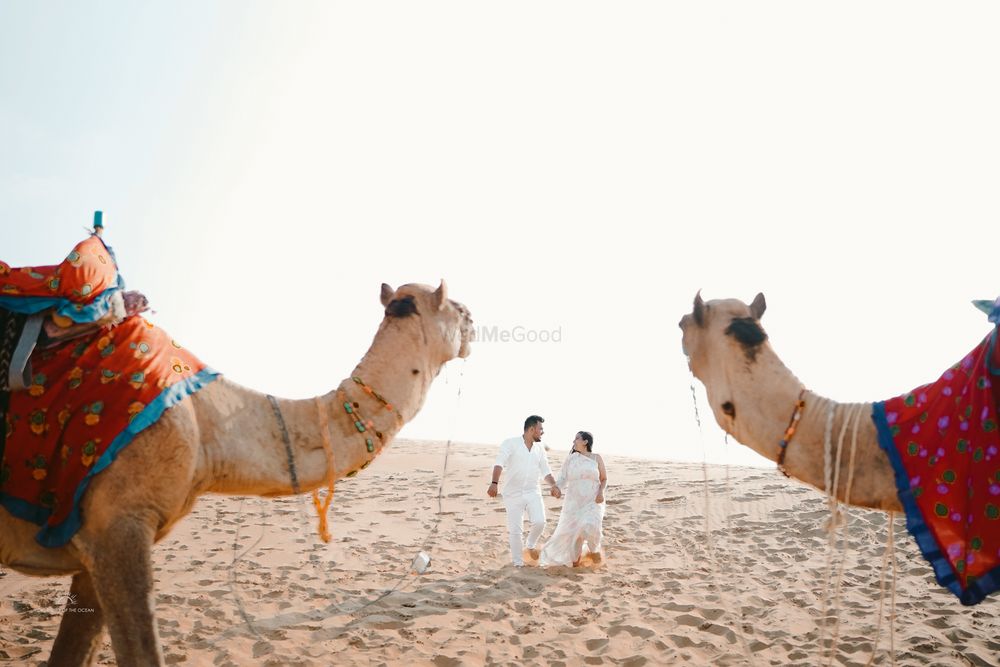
<point>516,506</point>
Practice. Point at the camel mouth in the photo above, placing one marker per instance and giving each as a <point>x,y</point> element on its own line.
<point>466,330</point>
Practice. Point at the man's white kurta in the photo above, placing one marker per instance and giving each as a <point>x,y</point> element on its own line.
<point>522,468</point>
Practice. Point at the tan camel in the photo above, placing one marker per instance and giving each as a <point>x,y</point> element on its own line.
<point>753,397</point>
<point>226,439</point>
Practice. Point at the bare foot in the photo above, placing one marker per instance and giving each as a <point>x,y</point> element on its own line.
<point>534,553</point>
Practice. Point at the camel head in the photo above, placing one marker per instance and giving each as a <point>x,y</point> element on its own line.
<point>446,324</point>
<point>722,340</point>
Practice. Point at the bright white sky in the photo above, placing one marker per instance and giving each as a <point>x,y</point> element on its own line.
<point>578,166</point>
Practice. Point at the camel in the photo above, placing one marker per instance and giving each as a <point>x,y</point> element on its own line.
<point>753,396</point>
<point>226,439</point>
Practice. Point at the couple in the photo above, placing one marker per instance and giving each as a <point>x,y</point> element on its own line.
<point>581,480</point>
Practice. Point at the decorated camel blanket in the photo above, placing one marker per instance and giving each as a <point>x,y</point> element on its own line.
<point>944,445</point>
<point>78,289</point>
<point>89,396</point>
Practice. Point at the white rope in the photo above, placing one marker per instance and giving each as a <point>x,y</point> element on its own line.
<point>892,608</point>
<point>711,553</point>
<point>831,475</point>
<point>234,584</point>
<point>854,415</point>
<point>431,539</point>
<point>889,548</point>
<point>828,456</point>
<point>403,577</point>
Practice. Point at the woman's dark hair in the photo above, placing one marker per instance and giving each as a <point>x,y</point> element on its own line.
<point>587,438</point>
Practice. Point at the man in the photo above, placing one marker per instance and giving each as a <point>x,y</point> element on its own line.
<point>525,461</point>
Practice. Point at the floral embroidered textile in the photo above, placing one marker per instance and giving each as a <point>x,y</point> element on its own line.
<point>944,445</point>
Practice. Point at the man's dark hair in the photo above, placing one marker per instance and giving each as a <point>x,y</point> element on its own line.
<point>532,420</point>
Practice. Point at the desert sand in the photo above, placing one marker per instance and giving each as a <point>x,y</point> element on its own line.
<point>705,565</point>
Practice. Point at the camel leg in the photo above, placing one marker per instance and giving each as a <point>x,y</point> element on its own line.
<point>122,568</point>
<point>80,630</point>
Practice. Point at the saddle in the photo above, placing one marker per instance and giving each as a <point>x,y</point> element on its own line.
<point>81,375</point>
<point>21,335</point>
<point>42,308</point>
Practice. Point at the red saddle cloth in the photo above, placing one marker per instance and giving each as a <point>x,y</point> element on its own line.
<point>944,444</point>
<point>89,396</point>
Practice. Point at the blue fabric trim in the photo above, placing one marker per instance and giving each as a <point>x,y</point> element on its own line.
<point>57,536</point>
<point>22,509</point>
<point>929,547</point>
<point>29,305</point>
<point>91,312</point>
<point>943,571</point>
<point>989,352</point>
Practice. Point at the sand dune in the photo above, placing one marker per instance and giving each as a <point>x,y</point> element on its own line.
<point>246,581</point>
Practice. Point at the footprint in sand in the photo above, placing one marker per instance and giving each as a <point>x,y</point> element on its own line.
<point>635,631</point>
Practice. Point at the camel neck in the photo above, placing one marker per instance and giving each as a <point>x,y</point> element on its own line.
<point>850,428</point>
<point>763,402</point>
<point>243,446</point>
<point>403,379</point>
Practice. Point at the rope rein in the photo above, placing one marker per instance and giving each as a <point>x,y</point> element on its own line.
<point>322,507</point>
<point>710,550</point>
<point>889,549</point>
<point>322,504</point>
<point>831,527</point>
<point>838,528</point>
<point>853,419</point>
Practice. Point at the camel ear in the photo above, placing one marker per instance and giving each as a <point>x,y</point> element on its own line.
<point>758,306</point>
<point>387,293</point>
<point>441,296</point>
<point>699,310</point>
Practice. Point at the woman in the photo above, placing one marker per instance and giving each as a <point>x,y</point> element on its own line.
<point>581,481</point>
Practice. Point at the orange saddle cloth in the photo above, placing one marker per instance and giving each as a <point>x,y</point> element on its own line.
<point>88,397</point>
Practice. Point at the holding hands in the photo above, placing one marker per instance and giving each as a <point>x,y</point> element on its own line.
<point>556,493</point>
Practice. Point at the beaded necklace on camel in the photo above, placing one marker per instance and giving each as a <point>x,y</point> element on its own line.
<point>363,427</point>
<point>793,424</point>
